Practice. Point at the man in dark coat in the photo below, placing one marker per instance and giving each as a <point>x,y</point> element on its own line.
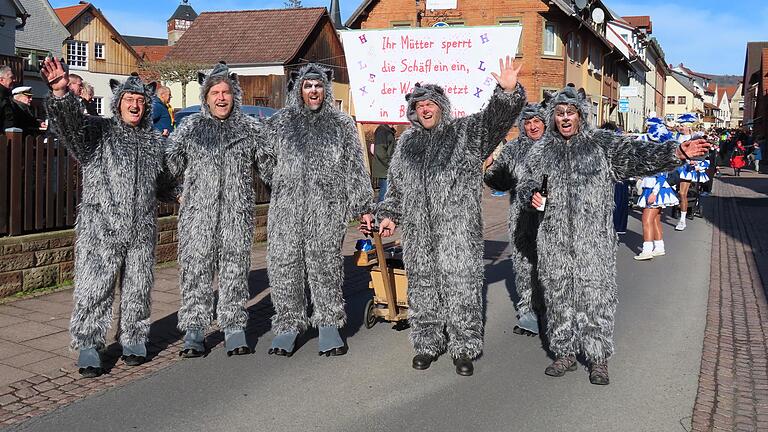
<point>435,189</point>
<point>161,114</point>
<point>6,103</point>
<point>383,148</point>
<point>24,118</point>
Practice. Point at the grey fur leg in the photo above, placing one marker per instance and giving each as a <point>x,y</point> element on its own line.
<point>329,338</point>
<point>285,264</point>
<point>95,275</point>
<point>285,341</point>
<point>135,298</point>
<point>597,333</point>
<point>88,357</point>
<point>425,315</point>
<point>233,290</point>
<point>196,278</point>
<point>325,275</point>
<point>465,321</point>
<point>561,317</point>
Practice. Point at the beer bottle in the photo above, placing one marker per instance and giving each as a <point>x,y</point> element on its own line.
<point>543,192</point>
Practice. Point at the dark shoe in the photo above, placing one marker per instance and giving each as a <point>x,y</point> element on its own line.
<point>423,361</point>
<point>598,373</point>
<point>90,372</point>
<point>464,366</point>
<point>239,351</point>
<point>280,352</point>
<point>562,365</point>
<point>338,351</point>
<point>133,360</point>
<point>191,353</point>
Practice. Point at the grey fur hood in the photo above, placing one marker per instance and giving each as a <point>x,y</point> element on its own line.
<point>311,71</point>
<point>569,96</point>
<point>530,111</point>
<point>219,73</point>
<point>432,92</point>
<point>133,84</point>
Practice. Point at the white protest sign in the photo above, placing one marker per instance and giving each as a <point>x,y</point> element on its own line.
<point>384,65</point>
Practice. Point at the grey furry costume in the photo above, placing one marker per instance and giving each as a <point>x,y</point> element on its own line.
<point>116,220</point>
<point>503,175</point>
<point>434,196</point>
<point>215,225</point>
<point>319,183</point>
<point>576,240</point>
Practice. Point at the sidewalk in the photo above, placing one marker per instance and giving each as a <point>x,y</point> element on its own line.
<point>733,381</point>
<point>37,369</point>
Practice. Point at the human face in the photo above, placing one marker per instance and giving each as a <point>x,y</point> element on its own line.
<point>7,79</point>
<point>24,98</point>
<point>165,96</point>
<point>132,108</point>
<point>76,86</point>
<point>567,120</point>
<point>313,94</point>
<point>220,100</point>
<point>428,113</point>
<point>534,128</point>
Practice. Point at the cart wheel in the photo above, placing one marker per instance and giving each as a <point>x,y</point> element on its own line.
<point>370,317</point>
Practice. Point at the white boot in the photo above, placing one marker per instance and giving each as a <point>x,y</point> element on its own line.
<point>658,248</point>
<point>681,225</point>
<point>647,252</point>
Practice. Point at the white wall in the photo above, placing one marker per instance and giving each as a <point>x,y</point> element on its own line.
<point>100,83</point>
<point>193,88</point>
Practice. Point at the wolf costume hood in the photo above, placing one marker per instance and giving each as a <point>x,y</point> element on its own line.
<point>434,194</point>
<point>319,182</point>
<point>116,222</point>
<point>503,175</point>
<point>576,240</point>
<point>216,158</point>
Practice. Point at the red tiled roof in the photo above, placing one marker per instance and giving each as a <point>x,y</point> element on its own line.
<point>69,13</point>
<point>710,106</point>
<point>248,36</point>
<point>151,52</point>
<point>711,87</point>
<point>639,21</point>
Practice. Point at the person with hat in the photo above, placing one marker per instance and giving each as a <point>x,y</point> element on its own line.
<point>123,177</point>
<point>319,183</point>
<point>690,171</point>
<point>435,192</point>
<point>502,175</point>
<point>576,241</point>
<point>23,116</point>
<point>215,151</point>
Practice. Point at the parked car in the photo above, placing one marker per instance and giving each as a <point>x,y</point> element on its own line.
<point>254,111</point>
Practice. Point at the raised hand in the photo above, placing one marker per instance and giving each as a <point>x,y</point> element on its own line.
<point>693,148</point>
<point>53,72</point>
<point>507,76</point>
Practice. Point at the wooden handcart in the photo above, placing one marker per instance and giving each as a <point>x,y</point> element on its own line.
<point>388,282</point>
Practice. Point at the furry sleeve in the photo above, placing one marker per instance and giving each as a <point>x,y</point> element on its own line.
<point>529,181</point>
<point>499,174</point>
<point>391,207</point>
<point>168,188</point>
<point>634,158</point>
<point>491,125</point>
<point>264,158</point>
<point>358,181</point>
<point>80,133</point>
<point>176,146</point>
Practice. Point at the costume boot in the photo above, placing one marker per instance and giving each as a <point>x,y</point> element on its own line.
<point>89,363</point>
<point>562,365</point>
<point>134,355</point>
<point>423,361</point>
<point>283,344</point>
<point>330,342</point>
<point>235,343</point>
<point>464,366</point>
<point>598,373</point>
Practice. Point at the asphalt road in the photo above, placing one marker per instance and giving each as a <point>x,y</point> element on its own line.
<point>659,330</point>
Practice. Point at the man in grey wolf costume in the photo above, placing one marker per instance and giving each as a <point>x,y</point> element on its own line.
<point>435,195</point>
<point>502,175</point>
<point>576,240</point>
<point>122,163</point>
<point>319,183</point>
<point>215,150</point>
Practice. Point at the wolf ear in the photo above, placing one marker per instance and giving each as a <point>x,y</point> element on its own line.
<point>233,77</point>
<point>329,75</point>
<point>582,94</point>
<point>547,96</point>
<point>408,97</point>
<point>152,87</point>
<point>200,78</point>
<point>113,84</point>
<point>292,78</point>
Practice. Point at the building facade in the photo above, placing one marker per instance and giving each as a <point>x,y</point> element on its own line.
<point>755,89</point>
<point>43,34</point>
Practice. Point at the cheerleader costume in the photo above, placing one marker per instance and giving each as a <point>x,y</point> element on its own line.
<point>657,185</point>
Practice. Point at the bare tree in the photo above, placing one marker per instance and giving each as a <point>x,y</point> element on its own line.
<point>292,3</point>
<point>178,71</point>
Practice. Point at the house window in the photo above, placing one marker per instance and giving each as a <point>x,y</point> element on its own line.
<point>670,100</point>
<point>681,100</point>
<point>98,51</point>
<point>396,24</point>
<point>741,105</point>
<point>550,45</point>
<point>77,54</point>
<point>514,22</point>
<point>574,48</point>
<point>181,24</point>
<point>595,58</point>
<point>455,23</point>
<point>98,101</point>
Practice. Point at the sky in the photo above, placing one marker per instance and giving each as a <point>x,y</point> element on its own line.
<point>708,36</point>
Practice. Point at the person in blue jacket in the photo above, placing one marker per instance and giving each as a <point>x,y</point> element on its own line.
<point>162,119</point>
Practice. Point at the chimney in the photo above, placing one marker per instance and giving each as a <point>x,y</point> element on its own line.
<point>336,15</point>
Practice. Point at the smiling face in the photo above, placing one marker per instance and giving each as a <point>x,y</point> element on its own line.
<point>567,120</point>
<point>132,108</point>
<point>534,128</point>
<point>428,113</point>
<point>220,100</point>
<point>313,94</point>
